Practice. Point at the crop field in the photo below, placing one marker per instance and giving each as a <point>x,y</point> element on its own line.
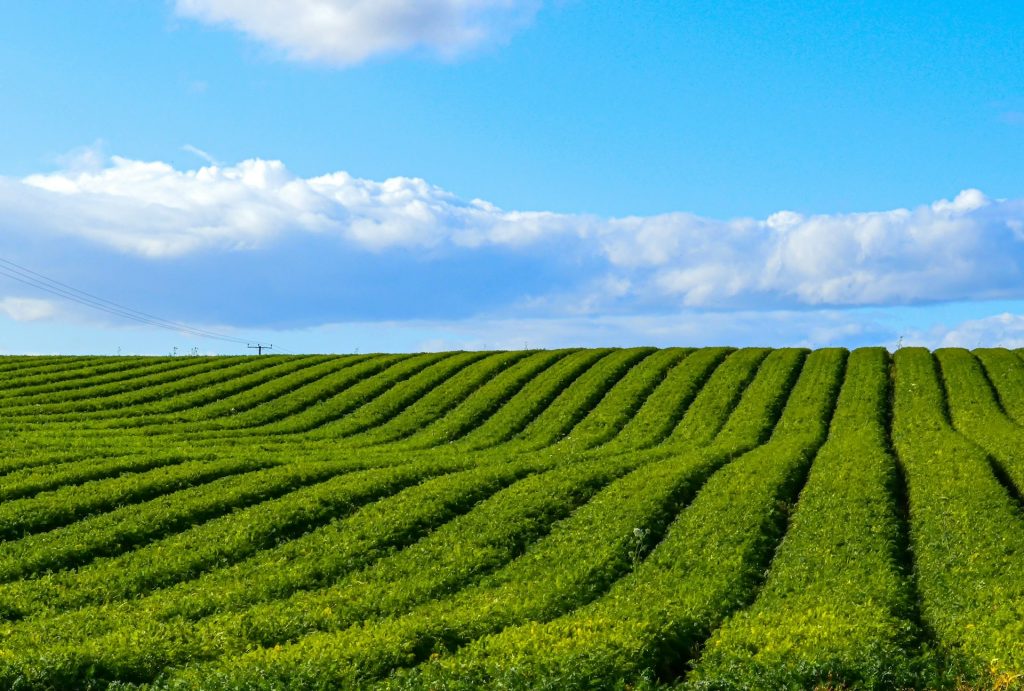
<point>707,518</point>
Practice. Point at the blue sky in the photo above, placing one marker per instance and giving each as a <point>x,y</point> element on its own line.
<point>403,175</point>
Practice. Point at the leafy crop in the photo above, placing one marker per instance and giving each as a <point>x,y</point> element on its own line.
<point>709,518</point>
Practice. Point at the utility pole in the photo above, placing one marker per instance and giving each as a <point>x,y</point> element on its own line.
<point>260,347</point>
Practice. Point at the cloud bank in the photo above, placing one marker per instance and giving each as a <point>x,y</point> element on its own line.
<point>1005,329</point>
<point>26,309</point>
<point>967,248</point>
<point>347,32</point>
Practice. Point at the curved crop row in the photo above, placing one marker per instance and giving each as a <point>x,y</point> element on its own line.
<point>216,387</point>
<point>577,400</point>
<point>975,413</point>
<point>397,398</point>
<point>18,365</point>
<point>490,534</point>
<point>313,560</point>
<point>620,404</point>
<point>483,402</point>
<point>1005,371</point>
<point>710,562</point>
<point>438,401</point>
<point>836,606</point>
<point>91,371</point>
<point>237,396</point>
<point>321,558</point>
<point>324,403</point>
<point>584,554</point>
<point>14,458</point>
<point>709,411</point>
<point>747,423</point>
<point>665,406</point>
<point>131,526</point>
<point>711,518</point>
<point>166,379</point>
<point>221,541</point>
<point>176,394</point>
<point>25,482</point>
<point>965,530</point>
<point>277,401</point>
<point>531,400</point>
<point>53,508</point>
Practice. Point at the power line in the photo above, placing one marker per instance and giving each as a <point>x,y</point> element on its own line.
<point>31,278</point>
<point>37,280</point>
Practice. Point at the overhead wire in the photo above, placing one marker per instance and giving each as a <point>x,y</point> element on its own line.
<point>31,278</point>
<point>35,279</point>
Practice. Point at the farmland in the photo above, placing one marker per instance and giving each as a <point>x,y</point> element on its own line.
<point>707,518</point>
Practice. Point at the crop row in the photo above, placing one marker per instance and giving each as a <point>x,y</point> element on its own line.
<point>663,407</point>
<point>583,556</point>
<point>220,542</point>
<point>837,607</point>
<point>420,400</point>
<point>1005,371</point>
<point>530,400</point>
<point>704,418</point>
<point>238,483</point>
<point>212,388</point>
<point>600,518</point>
<point>489,534</point>
<point>437,401</point>
<point>483,402</point>
<point>265,405</point>
<point>621,401</point>
<point>975,412</point>
<point>26,481</point>
<point>576,401</point>
<point>965,531</point>
<point>67,504</point>
<point>129,389</point>
<point>395,398</point>
<point>57,377</point>
<point>21,365</point>
<point>356,392</point>
<point>355,655</point>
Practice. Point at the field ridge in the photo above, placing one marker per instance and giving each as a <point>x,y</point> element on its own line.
<point>707,518</point>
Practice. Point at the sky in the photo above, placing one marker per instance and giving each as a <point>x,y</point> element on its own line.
<point>406,175</point>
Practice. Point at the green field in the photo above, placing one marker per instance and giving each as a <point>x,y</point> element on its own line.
<point>594,518</point>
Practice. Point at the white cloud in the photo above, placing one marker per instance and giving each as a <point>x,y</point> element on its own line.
<point>967,200</point>
<point>26,309</point>
<point>196,151</point>
<point>347,32</point>
<point>1004,330</point>
<point>967,248</point>
<point>153,210</point>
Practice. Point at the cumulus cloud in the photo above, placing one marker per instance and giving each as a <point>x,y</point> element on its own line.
<point>151,209</point>
<point>1005,330</point>
<point>403,232</point>
<point>26,309</point>
<point>968,248</point>
<point>347,32</point>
